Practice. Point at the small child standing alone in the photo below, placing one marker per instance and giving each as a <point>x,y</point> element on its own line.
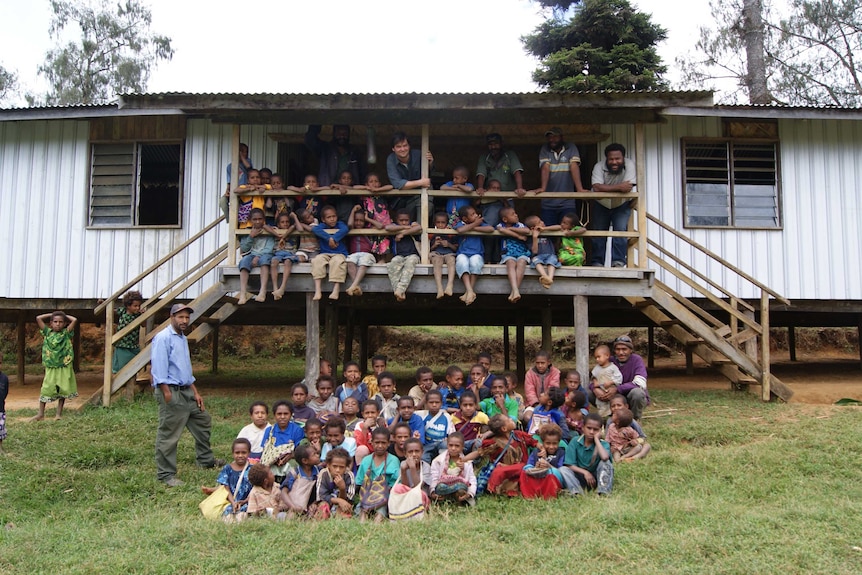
<point>57,356</point>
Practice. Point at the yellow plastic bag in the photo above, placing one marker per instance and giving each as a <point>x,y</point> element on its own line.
<point>213,506</point>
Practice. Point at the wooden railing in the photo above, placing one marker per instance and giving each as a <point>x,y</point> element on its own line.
<point>163,297</point>
<point>739,311</point>
<point>633,233</point>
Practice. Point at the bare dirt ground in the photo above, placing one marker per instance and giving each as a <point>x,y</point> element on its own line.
<point>816,378</point>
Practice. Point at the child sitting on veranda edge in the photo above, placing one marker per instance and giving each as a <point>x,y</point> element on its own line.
<point>515,254</point>
<point>443,253</point>
<point>284,253</point>
<point>257,250</point>
<point>333,253</point>
<point>544,257</point>
<point>471,251</point>
<point>405,250</point>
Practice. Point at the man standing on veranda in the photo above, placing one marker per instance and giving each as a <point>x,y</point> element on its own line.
<point>180,404</point>
<point>617,174</point>
<point>560,165</point>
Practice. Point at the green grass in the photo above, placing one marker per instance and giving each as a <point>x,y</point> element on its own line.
<point>733,486</point>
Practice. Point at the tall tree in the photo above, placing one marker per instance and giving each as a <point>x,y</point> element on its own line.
<point>115,53</point>
<point>601,45</point>
<point>810,53</point>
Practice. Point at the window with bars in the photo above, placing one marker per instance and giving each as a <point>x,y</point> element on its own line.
<point>731,183</point>
<point>135,184</point>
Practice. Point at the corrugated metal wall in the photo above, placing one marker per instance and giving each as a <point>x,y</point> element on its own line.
<point>43,165</point>
<point>814,255</point>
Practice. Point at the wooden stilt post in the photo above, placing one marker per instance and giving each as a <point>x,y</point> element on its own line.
<point>234,202</point>
<point>507,352</point>
<point>214,368</point>
<point>348,342</point>
<point>424,216</point>
<point>363,338</point>
<point>859,339</point>
<point>312,339</point>
<point>20,333</point>
<point>689,360</point>
<point>330,351</point>
<point>582,336</point>
<point>108,376</point>
<point>791,342</point>
<point>640,166</point>
<point>764,346</point>
<point>76,349</point>
<point>547,338</point>
<point>520,360</point>
<point>651,345</point>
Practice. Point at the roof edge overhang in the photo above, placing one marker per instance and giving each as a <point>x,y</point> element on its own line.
<point>767,112</point>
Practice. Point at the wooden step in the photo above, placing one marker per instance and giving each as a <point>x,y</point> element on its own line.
<point>669,323</point>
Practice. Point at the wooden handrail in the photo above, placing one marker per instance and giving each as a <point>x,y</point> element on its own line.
<point>154,304</point>
<point>116,295</point>
<point>448,194</point>
<point>720,260</point>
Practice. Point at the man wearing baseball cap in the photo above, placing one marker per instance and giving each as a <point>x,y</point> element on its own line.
<point>634,385</point>
<point>560,166</point>
<point>180,404</point>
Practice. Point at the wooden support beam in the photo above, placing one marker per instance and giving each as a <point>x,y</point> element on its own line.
<point>507,352</point>
<point>20,337</point>
<point>108,376</point>
<point>330,332</point>
<point>765,358</point>
<point>348,342</point>
<point>791,342</point>
<point>582,334</point>
<point>424,216</point>
<point>641,207</point>
<point>312,339</point>
<point>520,359</point>
<point>689,360</point>
<point>651,347</point>
<point>751,344</point>
<point>363,338</point>
<point>859,339</point>
<point>233,210</point>
<point>547,338</point>
<point>215,350</point>
<point>76,349</point>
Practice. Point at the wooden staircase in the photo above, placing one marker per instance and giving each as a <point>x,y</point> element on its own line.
<point>728,339</point>
<point>214,295</point>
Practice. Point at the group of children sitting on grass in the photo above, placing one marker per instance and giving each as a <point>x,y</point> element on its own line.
<point>280,234</point>
<point>360,449</point>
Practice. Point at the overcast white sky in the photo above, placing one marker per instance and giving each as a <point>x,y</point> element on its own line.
<point>337,45</point>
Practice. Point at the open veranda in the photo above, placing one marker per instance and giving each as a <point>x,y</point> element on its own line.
<point>732,486</point>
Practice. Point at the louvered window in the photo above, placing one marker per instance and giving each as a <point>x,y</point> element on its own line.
<point>135,184</point>
<point>731,183</point>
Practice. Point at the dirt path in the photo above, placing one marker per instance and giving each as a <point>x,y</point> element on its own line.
<point>821,380</point>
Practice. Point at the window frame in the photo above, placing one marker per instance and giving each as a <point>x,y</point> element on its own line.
<point>729,142</point>
<point>135,207</point>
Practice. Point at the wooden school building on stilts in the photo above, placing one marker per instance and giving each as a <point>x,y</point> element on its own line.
<point>731,206</point>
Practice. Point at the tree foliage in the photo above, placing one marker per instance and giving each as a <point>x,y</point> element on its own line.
<point>811,53</point>
<point>602,45</point>
<point>115,53</point>
<point>8,84</point>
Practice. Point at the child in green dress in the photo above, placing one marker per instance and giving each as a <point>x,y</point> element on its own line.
<point>57,355</point>
<point>571,247</point>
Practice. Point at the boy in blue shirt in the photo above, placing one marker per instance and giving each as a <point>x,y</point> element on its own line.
<point>437,426</point>
<point>333,252</point>
<point>471,251</point>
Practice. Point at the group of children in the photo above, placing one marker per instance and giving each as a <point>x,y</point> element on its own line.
<point>361,449</point>
<point>285,231</point>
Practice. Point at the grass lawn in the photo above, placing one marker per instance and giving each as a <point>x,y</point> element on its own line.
<point>733,486</point>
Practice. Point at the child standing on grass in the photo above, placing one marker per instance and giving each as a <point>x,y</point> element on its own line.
<point>471,251</point>
<point>336,486</point>
<point>443,252</point>
<point>451,478</point>
<point>405,253</point>
<point>571,246</point>
<point>128,347</point>
<point>4,391</point>
<point>375,477</point>
<point>57,355</point>
<point>255,430</point>
<point>333,253</point>
<point>256,249</point>
<point>604,375</point>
